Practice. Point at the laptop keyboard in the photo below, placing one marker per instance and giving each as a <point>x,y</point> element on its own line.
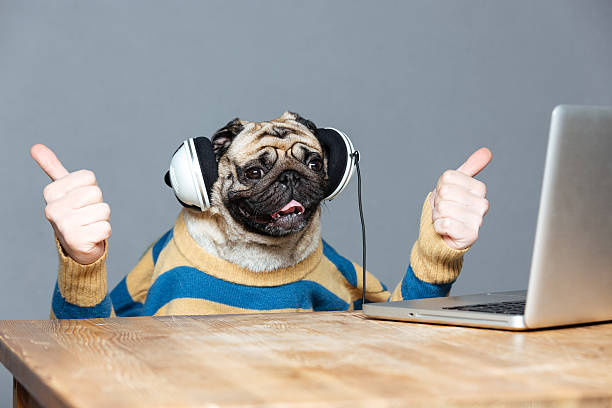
<point>511,307</point>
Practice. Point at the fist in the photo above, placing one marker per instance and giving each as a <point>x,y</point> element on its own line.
<point>75,209</point>
<point>458,202</point>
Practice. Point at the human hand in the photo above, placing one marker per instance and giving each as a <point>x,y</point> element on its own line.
<point>458,202</point>
<point>74,208</point>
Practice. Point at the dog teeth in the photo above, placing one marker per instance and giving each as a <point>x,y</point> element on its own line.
<point>286,214</point>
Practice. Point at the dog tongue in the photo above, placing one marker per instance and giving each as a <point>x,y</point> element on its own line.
<point>290,207</point>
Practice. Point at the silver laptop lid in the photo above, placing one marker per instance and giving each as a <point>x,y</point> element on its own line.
<point>571,270</point>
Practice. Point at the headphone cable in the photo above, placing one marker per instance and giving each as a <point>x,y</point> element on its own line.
<point>363,230</point>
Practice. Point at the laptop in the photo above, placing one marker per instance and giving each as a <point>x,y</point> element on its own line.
<point>570,280</point>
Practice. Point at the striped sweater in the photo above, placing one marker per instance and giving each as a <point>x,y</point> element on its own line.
<point>175,276</point>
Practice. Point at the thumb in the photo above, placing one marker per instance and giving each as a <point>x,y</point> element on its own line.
<point>476,162</point>
<point>48,161</point>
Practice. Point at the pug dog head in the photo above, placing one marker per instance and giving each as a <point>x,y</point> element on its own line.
<point>272,175</point>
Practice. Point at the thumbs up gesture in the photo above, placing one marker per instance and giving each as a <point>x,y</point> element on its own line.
<point>458,202</point>
<point>74,208</point>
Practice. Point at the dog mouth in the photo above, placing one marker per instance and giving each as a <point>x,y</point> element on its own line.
<point>290,214</point>
<point>291,208</point>
<point>279,209</point>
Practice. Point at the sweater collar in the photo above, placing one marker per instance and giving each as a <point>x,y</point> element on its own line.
<point>222,269</point>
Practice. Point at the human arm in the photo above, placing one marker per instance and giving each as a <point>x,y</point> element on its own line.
<point>450,221</point>
<point>80,220</point>
<point>81,290</point>
<point>434,266</point>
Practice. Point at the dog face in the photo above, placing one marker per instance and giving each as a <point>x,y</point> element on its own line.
<point>272,175</point>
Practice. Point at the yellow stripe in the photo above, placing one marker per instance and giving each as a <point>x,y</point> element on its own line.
<point>222,269</point>
<point>138,280</point>
<point>327,275</point>
<point>171,258</point>
<point>373,285</point>
<point>397,293</point>
<point>193,306</point>
<point>374,289</point>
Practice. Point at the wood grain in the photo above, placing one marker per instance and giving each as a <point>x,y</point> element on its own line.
<point>22,398</point>
<point>303,359</point>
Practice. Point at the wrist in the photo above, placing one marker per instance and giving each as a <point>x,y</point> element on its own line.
<point>432,259</point>
<point>83,258</point>
<point>81,284</point>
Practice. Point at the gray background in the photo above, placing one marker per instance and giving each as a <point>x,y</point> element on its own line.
<point>115,87</point>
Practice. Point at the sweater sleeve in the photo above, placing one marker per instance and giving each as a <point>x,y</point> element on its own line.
<point>434,266</point>
<point>80,290</point>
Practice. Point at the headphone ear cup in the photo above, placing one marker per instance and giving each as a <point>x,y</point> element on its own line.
<point>340,159</point>
<point>192,173</point>
<point>208,163</point>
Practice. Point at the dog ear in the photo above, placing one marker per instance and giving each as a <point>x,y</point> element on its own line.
<point>309,124</point>
<point>223,137</point>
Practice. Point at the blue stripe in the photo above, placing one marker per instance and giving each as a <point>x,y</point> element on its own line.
<point>383,285</point>
<point>188,282</point>
<point>161,244</point>
<point>345,266</point>
<point>414,288</point>
<point>123,303</point>
<point>65,310</point>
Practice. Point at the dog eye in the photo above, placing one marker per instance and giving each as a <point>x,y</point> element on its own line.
<point>254,173</point>
<point>315,165</point>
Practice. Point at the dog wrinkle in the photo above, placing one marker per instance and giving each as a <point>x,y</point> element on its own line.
<point>280,131</point>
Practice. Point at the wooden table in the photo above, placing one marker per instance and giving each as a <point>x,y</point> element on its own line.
<point>301,360</point>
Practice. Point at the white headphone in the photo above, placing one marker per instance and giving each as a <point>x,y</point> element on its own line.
<point>193,168</point>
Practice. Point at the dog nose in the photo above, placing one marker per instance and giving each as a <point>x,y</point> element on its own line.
<point>290,178</point>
